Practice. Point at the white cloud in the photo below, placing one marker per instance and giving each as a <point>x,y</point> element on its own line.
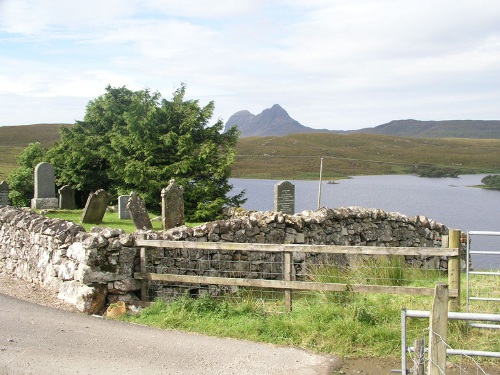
<point>343,64</point>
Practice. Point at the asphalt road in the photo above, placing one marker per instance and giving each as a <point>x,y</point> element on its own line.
<point>39,340</point>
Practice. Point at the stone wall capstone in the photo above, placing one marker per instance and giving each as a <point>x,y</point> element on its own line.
<point>92,269</point>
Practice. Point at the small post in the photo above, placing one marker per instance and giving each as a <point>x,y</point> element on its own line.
<point>144,282</point>
<point>287,276</point>
<point>454,269</point>
<point>320,181</point>
<point>418,360</point>
<point>438,324</point>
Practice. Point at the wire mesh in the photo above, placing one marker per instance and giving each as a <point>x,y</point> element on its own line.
<point>306,267</point>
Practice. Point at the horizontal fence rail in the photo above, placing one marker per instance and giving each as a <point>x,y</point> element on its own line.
<point>287,284</point>
<point>318,249</point>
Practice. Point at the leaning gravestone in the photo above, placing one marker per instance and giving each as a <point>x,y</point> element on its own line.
<point>123,212</point>
<point>4,194</point>
<point>139,214</point>
<point>95,208</point>
<point>45,187</point>
<point>284,197</point>
<point>67,198</point>
<point>172,205</point>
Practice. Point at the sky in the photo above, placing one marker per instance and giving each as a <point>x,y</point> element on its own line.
<point>331,64</point>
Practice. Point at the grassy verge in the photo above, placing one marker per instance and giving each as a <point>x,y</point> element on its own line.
<point>346,324</point>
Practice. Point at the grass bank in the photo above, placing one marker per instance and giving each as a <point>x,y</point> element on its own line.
<point>350,325</point>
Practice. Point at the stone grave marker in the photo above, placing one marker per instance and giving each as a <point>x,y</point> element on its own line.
<point>172,205</point>
<point>95,208</point>
<point>139,213</point>
<point>67,198</point>
<point>284,197</point>
<point>4,194</point>
<point>45,187</point>
<point>123,212</point>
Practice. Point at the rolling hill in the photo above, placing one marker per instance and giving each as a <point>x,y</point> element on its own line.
<point>438,129</point>
<point>23,135</point>
<point>297,155</point>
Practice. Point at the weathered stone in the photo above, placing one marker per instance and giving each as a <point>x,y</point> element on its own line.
<point>95,208</point>
<point>172,207</point>
<point>67,198</point>
<point>284,197</point>
<point>139,213</point>
<point>124,286</point>
<point>4,194</point>
<point>45,187</point>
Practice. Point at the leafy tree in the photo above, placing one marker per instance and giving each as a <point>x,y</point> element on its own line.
<point>21,180</point>
<point>136,141</point>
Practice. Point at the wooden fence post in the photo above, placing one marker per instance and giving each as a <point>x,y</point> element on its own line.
<point>287,276</point>
<point>454,269</point>
<point>418,360</point>
<point>438,324</point>
<point>144,282</point>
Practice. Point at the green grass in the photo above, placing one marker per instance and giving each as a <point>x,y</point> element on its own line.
<point>110,220</point>
<point>354,326</point>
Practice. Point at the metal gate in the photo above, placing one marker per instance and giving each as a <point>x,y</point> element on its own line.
<point>471,275</point>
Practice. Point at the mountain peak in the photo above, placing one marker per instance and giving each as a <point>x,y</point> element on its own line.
<point>274,121</point>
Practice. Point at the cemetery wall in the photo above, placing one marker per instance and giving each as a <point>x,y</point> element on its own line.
<point>92,269</point>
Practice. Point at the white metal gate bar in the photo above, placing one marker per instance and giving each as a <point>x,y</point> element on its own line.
<point>482,273</point>
<point>453,316</point>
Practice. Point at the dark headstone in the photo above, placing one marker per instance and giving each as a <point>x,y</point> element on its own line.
<point>139,213</point>
<point>123,212</point>
<point>172,205</point>
<point>95,208</point>
<point>4,194</point>
<point>67,198</point>
<point>284,197</point>
<point>45,187</point>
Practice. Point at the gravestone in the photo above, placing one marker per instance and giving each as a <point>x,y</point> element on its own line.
<point>139,212</point>
<point>4,194</point>
<point>284,197</point>
<point>172,205</point>
<point>45,187</point>
<point>123,212</point>
<point>95,208</point>
<point>67,198</point>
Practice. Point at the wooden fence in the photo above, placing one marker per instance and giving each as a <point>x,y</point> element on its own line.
<point>287,284</point>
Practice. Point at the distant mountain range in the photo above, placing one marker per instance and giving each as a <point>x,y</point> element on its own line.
<point>275,121</point>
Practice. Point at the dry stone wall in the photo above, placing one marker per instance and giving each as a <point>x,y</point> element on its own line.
<point>92,269</point>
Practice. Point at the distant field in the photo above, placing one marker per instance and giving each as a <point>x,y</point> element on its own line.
<point>297,156</point>
<point>13,139</point>
<point>23,135</point>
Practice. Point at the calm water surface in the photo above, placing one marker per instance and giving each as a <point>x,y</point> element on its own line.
<point>451,201</point>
